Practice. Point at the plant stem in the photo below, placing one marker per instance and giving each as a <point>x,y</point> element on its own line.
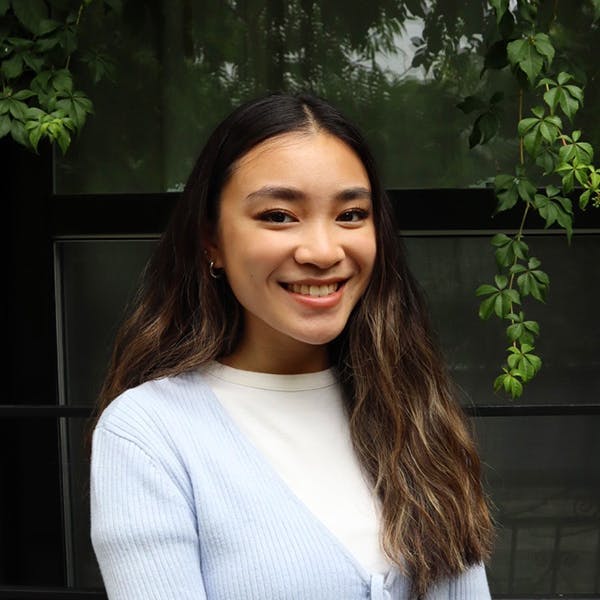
<point>521,143</point>
<point>79,12</point>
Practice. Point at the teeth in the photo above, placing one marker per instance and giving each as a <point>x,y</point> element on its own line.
<point>313,290</point>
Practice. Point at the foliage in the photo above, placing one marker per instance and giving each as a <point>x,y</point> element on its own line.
<point>555,166</point>
<point>38,97</point>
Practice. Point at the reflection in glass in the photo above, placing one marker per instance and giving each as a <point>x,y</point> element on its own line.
<point>397,68</point>
<point>97,279</point>
<point>543,476</point>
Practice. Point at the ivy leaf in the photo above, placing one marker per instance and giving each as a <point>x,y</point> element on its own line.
<point>18,133</point>
<point>23,95</point>
<point>544,46</point>
<point>509,188</point>
<point>62,81</point>
<point>500,298</point>
<point>4,125</point>
<point>31,13</point>
<point>101,66</point>
<point>510,383</point>
<point>500,6</point>
<point>508,249</point>
<point>531,280</point>
<point>582,151</point>
<point>77,106</point>
<point>17,108</point>
<point>35,63</point>
<point>521,358</point>
<point>524,54</point>
<point>12,67</point>
<point>48,26</point>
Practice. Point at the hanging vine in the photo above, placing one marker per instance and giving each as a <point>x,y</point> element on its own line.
<point>38,97</point>
<point>554,170</point>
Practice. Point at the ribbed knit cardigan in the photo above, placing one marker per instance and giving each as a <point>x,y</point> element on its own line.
<point>184,506</point>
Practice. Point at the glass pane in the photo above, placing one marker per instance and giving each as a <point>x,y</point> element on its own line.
<point>31,541</point>
<point>451,268</point>
<point>543,476</point>
<point>182,65</point>
<point>97,279</point>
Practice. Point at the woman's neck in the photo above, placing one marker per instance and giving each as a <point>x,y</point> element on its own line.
<point>292,359</point>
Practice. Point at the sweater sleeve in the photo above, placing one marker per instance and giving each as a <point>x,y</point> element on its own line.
<point>143,525</point>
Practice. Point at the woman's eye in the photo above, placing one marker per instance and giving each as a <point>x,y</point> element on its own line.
<point>354,215</point>
<point>276,216</point>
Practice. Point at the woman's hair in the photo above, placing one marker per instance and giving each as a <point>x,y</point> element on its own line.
<point>407,428</point>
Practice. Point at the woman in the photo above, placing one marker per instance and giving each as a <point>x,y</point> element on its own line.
<point>276,421</point>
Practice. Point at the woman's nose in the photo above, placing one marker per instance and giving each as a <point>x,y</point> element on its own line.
<point>320,246</point>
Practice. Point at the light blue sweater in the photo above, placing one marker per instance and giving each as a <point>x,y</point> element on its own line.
<point>184,507</point>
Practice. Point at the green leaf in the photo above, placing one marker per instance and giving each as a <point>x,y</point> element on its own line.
<point>48,26</point>
<point>544,46</point>
<point>12,67</point>
<point>524,54</point>
<point>564,78</point>
<point>64,139</point>
<point>576,92</point>
<point>77,106</point>
<point>35,135</point>
<point>486,308</point>
<point>23,94</point>
<point>500,239</point>
<point>485,289</point>
<point>18,133</point>
<point>568,105</point>
<point>4,6</point>
<point>17,108</point>
<point>501,281</point>
<point>584,199</point>
<point>31,13</point>
<point>35,63</point>
<point>500,6</point>
<point>514,332</point>
<point>5,124</point>
<point>62,81</point>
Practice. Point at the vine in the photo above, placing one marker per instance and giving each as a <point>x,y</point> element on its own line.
<point>555,167</point>
<point>38,98</point>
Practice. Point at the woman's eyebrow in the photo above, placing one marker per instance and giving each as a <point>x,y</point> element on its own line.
<point>278,192</point>
<point>290,193</point>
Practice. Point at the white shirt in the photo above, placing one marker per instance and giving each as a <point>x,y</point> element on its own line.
<point>298,423</point>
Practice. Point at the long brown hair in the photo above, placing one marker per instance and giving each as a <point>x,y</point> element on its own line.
<point>407,428</point>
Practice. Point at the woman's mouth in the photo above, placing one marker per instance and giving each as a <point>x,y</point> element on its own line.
<point>315,291</point>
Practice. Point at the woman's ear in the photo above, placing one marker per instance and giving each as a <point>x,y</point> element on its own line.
<point>212,248</point>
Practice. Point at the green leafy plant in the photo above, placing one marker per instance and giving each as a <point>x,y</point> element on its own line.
<point>38,97</point>
<point>554,168</point>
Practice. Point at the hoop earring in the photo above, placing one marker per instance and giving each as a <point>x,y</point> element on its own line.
<point>211,269</point>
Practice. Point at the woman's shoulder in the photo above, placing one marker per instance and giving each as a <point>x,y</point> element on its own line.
<point>156,406</point>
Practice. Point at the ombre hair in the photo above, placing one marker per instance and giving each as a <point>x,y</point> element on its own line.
<point>408,430</point>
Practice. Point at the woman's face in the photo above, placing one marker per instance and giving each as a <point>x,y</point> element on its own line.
<point>296,239</point>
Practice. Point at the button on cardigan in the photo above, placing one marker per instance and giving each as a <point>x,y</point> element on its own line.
<point>184,507</point>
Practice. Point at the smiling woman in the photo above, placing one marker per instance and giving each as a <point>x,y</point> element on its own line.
<point>296,239</point>
<point>276,421</point>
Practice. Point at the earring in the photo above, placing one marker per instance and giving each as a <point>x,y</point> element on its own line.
<point>211,269</point>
